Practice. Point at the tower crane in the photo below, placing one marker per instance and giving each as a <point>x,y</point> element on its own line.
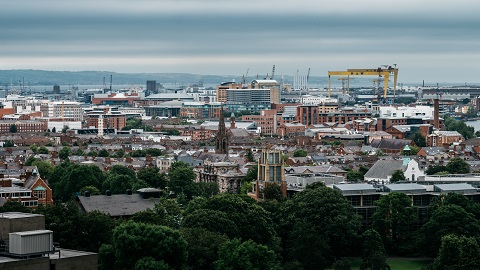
<point>245,77</point>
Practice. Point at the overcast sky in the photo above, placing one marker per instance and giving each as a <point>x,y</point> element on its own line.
<point>428,40</point>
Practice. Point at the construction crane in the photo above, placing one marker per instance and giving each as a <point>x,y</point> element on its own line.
<point>385,72</point>
<point>345,79</point>
<point>245,76</point>
<point>273,73</point>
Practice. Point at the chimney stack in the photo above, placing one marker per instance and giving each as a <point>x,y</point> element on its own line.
<point>436,122</point>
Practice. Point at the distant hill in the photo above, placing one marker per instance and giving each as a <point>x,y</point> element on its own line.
<point>44,77</point>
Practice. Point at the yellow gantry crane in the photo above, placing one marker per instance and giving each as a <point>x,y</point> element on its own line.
<point>384,71</point>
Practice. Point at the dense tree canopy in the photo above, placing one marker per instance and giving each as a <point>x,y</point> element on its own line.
<point>251,221</point>
<point>181,178</point>
<point>64,153</point>
<point>457,165</point>
<point>456,125</point>
<point>394,219</point>
<point>458,252</point>
<point>374,255</point>
<point>247,255</point>
<point>68,178</point>
<point>322,217</point>
<point>134,241</point>
<point>449,219</point>
<point>152,177</point>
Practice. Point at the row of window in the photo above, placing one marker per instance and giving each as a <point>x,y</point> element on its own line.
<point>30,203</point>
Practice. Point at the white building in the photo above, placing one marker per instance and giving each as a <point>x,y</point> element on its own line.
<point>316,100</point>
<point>66,109</point>
<point>403,111</point>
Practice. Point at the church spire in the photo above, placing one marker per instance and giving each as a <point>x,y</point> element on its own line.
<point>221,140</point>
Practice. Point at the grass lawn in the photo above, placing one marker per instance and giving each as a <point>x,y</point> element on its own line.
<point>399,263</point>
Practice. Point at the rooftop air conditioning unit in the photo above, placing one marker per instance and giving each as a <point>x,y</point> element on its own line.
<point>31,242</point>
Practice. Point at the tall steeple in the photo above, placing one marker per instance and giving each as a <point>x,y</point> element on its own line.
<point>221,140</point>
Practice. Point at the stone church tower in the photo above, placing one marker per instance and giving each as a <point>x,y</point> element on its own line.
<point>221,140</point>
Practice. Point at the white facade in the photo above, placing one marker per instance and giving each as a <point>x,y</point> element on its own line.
<point>412,172</point>
<point>418,111</point>
<point>65,109</point>
<point>316,100</point>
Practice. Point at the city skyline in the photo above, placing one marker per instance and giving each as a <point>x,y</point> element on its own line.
<point>431,41</point>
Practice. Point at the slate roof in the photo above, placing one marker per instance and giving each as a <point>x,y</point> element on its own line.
<point>384,168</point>
<point>393,144</point>
<point>408,188</point>
<point>117,205</point>
<point>457,188</point>
<point>430,151</point>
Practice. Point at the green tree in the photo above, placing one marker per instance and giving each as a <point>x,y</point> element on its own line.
<point>300,153</point>
<point>154,152</point>
<point>64,153</point>
<point>67,179</point>
<point>397,176</point>
<point>93,190</point>
<point>249,155</point>
<point>65,128</point>
<point>354,176</point>
<point>34,148</point>
<point>419,139</point>
<point>181,178</point>
<point>432,170</point>
<point>273,192</point>
<point>252,221</point>
<point>134,241</point>
<point>119,153</point>
<point>149,263</point>
<point>454,125</point>
<point>247,255</point>
<point>449,219</point>
<point>342,264</point>
<point>374,255</point>
<point>13,128</point>
<point>211,220</point>
<point>393,220</point>
<point>45,169</point>
<point>54,130</point>
<point>103,153</point>
<point>202,247</point>
<point>118,183</point>
<point>456,199</point>
<point>78,152</point>
<point>9,143</point>
<point>152,177</point>
<point>43,150</point>
<point>251,175</point>
<point>68,223</point>
<point>206,190</point>
<point>122,170</point>
<point>457,252</point>
<point>324,225</point>
<point>457,166</point>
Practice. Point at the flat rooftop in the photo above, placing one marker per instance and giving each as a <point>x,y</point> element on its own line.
<point>14,215</point>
